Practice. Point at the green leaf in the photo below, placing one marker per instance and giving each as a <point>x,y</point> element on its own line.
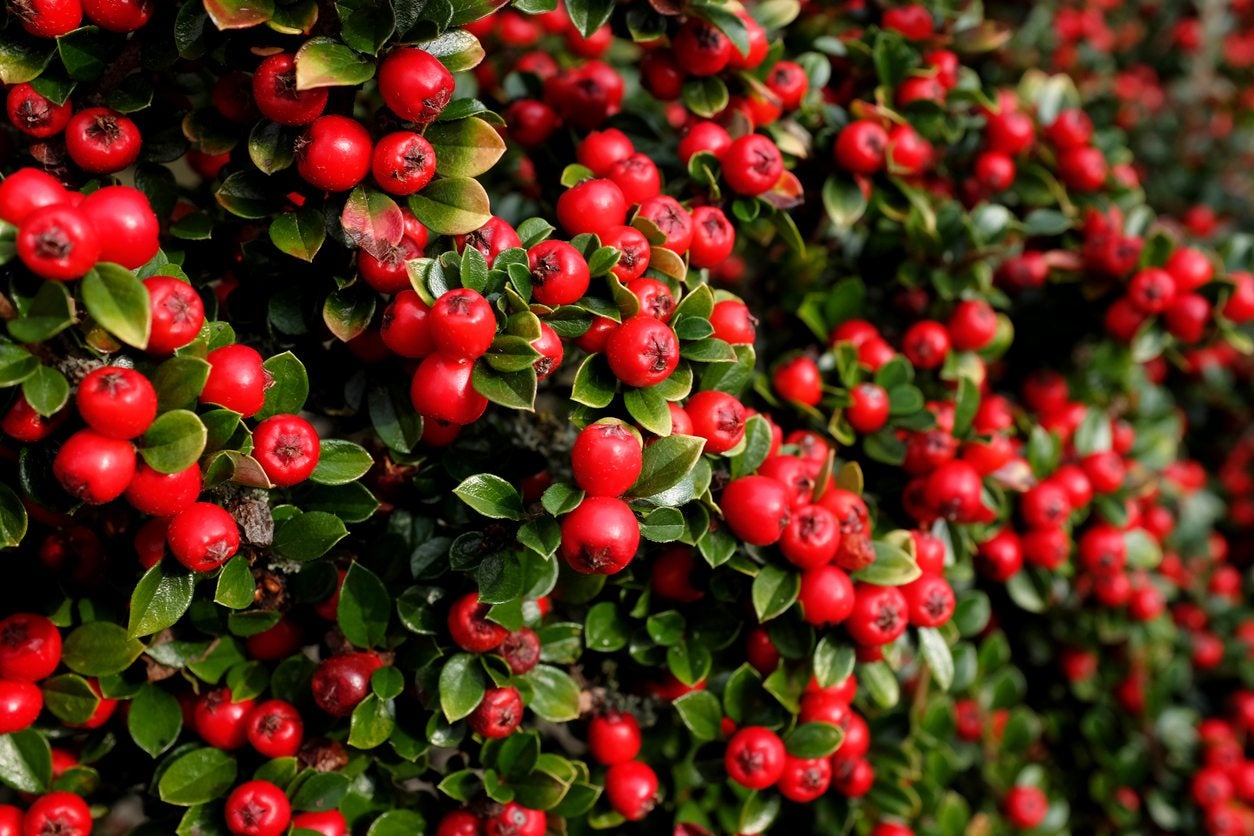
<point>70,698</point>
<point>196,777</point>
<point>757,445</point>
<point>461,686</point>
<point>666,462</point>
<point>325,62</point>
<point>321,791</point>
<point>457,49</point>
<point>881,683</point>
<point>372,723</point>
<point>393,417</point>
<point>45,316</point>
<point>236,586</point>
<point>650,410</point>
<point>308,535</point>
<point>339,462</point>
<point>892,567</point>
<point>24,59</point>
<point>13,518</point>
<point>25,761</point>
<point>179,381</point>
<point>271,148</point>
<point>844,201</point>
<point>372,221</point>
<point>117,300</point>
<point>290,389</point>
<point>155,719</point>
<point>46,390</point>
<point>347,312</point>
<point>465,147</point>
<point>491,496</point>
<point>605,629</point>
<point>365,607</point>
<point>160,598</point>
<point>397,823</point>
<point>774,591</point>
<point>833,661</point>
<point>554,696</point>
<point>663,525</point>
<point>705,96</point>
<point>452,206</point>
<point>513,390</point>
<point>701,713</point>
<point>939,659</point>
<point>1024,592</point>
<point>561,498</point>
<point>16,363</point>
<point>589,15</point>
<point>595,384</point>
<point>239,14</point>
<point>1094,433</point>
<point>813,740</point>
<point>300,233</point>
<point>174,441</point>
<point>100,648</point>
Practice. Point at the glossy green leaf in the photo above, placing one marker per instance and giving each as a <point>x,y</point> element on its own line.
<point>117,300</point>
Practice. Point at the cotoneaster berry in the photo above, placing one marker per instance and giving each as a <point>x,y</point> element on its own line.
<point>643,351</point>
<point>325,823</point>
<point>470,628</point>
<point>30,647</point>
<point>49,18</point>
<point>414,84</point>
<point>756,509</point>
<point>498,713</point>
<point>403,163</point>
<point>203,537</point>
<point>34,115</point>
<point>606,459</point>
<point>177,314</point>
<point>58,242</point>
<point>59,812</point>
<point>127,227</point>
<point>559,273</point>
<point>102,141</point>
<point>341,682</point>
<point>163,494</point>
<point>119,15</point>
<point>117,402</point>
<point>752,164</point>
<point>755,757</point>
<point>237,380</point>
<point>258,808</point>
<point>592,206</point>
<point>631,787</point>
<point>718,418</point>
<point>278,99</point>
<point>442,390</point>
<point>600,536</point>
<point>94,468</point>
<point>287,447</point>
<point>614,737</point>
<point>26,190</point>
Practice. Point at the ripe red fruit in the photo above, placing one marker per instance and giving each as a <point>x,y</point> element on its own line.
<point>994,171</point>
<point>600,536</point>
<point>704,136</point>
<point>908,152</point>
<point>49,18</point>
<point>1082,169</point>
<point>634,252</point>
<point>403,163</point>
<point>861,147</point>
<point>386,271</point>
<point>117,402</point>
<point>220,721</point>
<point>442,391</point>
<point>203,537</point>
<point>700,49</point>
<point>20,704</point>
<point>1025,807</point>
<point>470,628</point>
<point>852,777</point>
<point>614,737</point>
<point>61,813</point>
<point>343,681</point>
<point>125,224</point>
<point>30,647</point>
<point>275,729</point>
<point>752,165</point>
<point>1010,132</point>
<point>755,757</point>
<point>287,447</point>
<point>276,96</point>
<point>600,150</point>
<point>912,20</point>
<point>643,351</point>
<point>638,178</point>
<point>972,325</point>
<point>805,779</point>
<point>1046,547</point>
<point>460,823</point>
<point>1000,557</point>
<point>1189,268</point>
<point>551,349</point>
<point>954,491</point>
<point>237,380</point>
<point>326,823</point>
<point>930,600</point>
<point>879,616</point>
<point>798,379</point>
<point>812,537</point>
<point>58,242</point>
<point>26,190</point>
<point>926,344</point>
<point>414,84</point>
<point>593,206</point>
<point>405,328</point>
<point>277,642</point>
<point>672,219</point>
<point>1187,317</point>
<point>869,409</point>
<point>631,787</point>
<point>34,115</point>
<point>756,509</point>
<point>789,82</point>
<point>258,808</point>
<point>498,713</point>
<point>163,494</point>
<point>334,153</point>
<point>718,418</point>
<point>119,15</point>
<point>733,322</point>
<point>606,459</point>
<point>521,650</point>
<point>559,274</point>
<point>177,314</point>
<point>827,595</point>
<point>1105,471</point>
<point>1151,291</point>
<point>93,467</point>
<point>1072,128</point>
<point>516,820</point>
<point>655,297</point>
<point>462,324</point>
<point>713,237</point>
<point>102,141</point>
<point>1240,305</point>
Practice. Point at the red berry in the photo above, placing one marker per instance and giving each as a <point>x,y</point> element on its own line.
<point>756,509</point>
<point>462,324</point>
<point>931,601</point>
<point>994,171</point>
<point>869,409</point>
<point>93,467</point>
<point>593,206</point>
<point>405,328</point>
<point>672,219</point>
<point>788,81</point>
<point>49,18</point>
<point>1000,557</point>
<point>1070,129</point>
<point>287,447</point>
<point>805,779</point>
<point>642,351</point>
<point>521,650</point>
<point>403,163</point>
<point>755,757</point>
<point>26,190</point>
<point>258,808</point>
<point>655,297</point>
<point>119,15</point>
<point>880,614</point>
<point>826,596</point>
<point>30,647</point>
<point>125,224</point>
<point>275,729</point>
<point>102,141</point>
<point>516,820</point>
<point>20,704</point>
<point>911,20</point>
<point>631,787</point>
<point>634,252</point>
<point>637,177</point>
<point>700,49</point>
<point>713,237</point>
<point>1189,268</point>
<point>220,721</point>
<point>58,242</point>
<point>343,681</point>
<point>600,536</point>
<point>442,391</point>
<point>163,494</point>
<point>733,322</point>
<point>559,274</point>
<point>709,137</point>
<point>415,85</point>
<point>1082,169</point>
<point>493,238</point>
<point>1025,807</point>
<point>1010,132</point>
<point>972,325</point>
<point>470,628</point>
<point>926,344</point>
<point>203,537</point>
<point>460,823</point>
<point>177,314</point>
<point>276,96</point>
<point>551,349</point>
<point>237,380</point>
<point>326,823</point>
<point>799,379</point>
<point>1187,317</point>
<point>334,153</point>
<point>613,737</point>
<point>386,271</point>
<point>861,147</point>
<point>117,402</point>
<point>61,813</point>
<point>606,459</point>
<point>34,115</point>
<point>600,150</point>
<point>752,165</point>
<point>718,418</point>
<point>498,713</point>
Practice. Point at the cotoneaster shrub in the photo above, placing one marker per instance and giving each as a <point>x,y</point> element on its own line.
<point>454,418</point>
